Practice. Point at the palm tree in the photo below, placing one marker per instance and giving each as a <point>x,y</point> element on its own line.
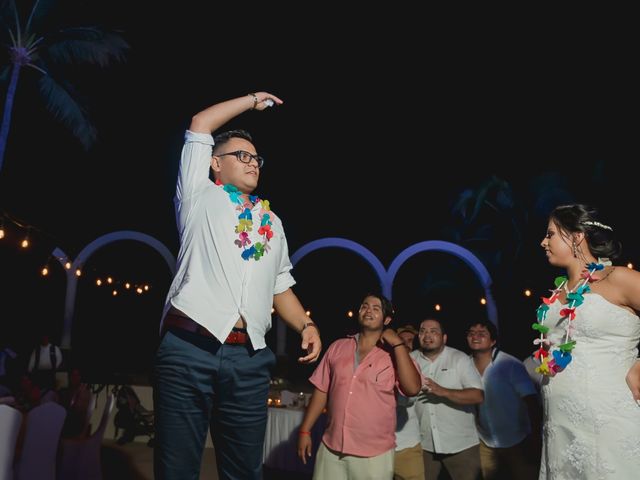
<point>42,50</point>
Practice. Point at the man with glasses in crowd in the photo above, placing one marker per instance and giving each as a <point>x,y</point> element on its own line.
<point>509,419</point>
<point>212,366</point>
<point>445,408</point>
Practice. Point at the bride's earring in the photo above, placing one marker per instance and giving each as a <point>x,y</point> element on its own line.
<point>575,250</point>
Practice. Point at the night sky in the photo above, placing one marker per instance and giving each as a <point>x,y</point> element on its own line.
<point>385,124</point>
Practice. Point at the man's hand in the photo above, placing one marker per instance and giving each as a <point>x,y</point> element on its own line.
<point>311,343</point>
<point>390,337</point>
<point>304,447</point>
<point>433,388</point>
<point>260,97</point>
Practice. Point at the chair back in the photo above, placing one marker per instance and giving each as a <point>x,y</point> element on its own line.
<point>42,434</point>
<point>10,421</point>
<point>80,458</point>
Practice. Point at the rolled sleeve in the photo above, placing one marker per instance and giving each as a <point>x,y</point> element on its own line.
<point>284,279</point>
<point>194,164</point>
<point>321,377</point>
<point>469,376</point>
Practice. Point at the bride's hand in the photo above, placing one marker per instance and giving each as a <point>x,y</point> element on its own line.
<point>633,380</point>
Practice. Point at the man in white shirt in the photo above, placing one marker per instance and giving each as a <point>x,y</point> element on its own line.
<point>44,362</point>
<point>445,408</point>
<point>508,448</point>
<point>408,463</point>
<point>213,365</point>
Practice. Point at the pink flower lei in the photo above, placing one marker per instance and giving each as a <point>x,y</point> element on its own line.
<point>561,355</point>
<point>245,222</point>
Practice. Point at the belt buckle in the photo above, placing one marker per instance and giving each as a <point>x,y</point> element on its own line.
<point>236,338</point>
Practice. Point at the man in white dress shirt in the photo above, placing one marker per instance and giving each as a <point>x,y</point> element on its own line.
<point>408,463</point>
<point>213,366</point>
<point>446,406</point>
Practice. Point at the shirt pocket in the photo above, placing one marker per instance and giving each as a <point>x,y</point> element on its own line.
<point>383,377</point>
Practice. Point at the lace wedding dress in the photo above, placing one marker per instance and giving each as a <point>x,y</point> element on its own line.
<point>592,423</point>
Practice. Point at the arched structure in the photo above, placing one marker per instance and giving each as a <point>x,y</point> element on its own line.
<point>83,256</point>
<point>387,277</point>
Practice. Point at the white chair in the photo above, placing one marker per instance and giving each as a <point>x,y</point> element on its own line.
<point>50,396</point>
<point>10,421</point>
<point>81,457</point>
<point>43,427</point>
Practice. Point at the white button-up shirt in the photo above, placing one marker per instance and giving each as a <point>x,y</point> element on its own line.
<point>447,427</point>
<point>503,420</point>
<point>213,284</point>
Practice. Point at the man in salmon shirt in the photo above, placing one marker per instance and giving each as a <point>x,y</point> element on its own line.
<point>357,381</point>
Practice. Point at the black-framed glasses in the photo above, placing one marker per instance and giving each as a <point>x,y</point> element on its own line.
<point>244,157</point>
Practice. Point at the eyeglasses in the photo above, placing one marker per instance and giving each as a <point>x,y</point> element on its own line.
<point>477,334</point>
<point>244,157</point>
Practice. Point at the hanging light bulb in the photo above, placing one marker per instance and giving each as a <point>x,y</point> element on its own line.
<point>45,271</point>
<point>438,307</point>
<point>127,285</point>
<point>98,282</point>
<point>350,314</point>
<point>527,293</point>
<point>483,301</point>
<point>25,242</point>
<point>78,272</point>
<point>67,265</point>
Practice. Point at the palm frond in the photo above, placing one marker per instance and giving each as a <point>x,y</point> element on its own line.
<point>40,10</point>
<point>88,45</point>
<point>66,108</point>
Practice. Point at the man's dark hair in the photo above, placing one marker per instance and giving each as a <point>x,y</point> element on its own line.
<point>222,138</point>
<point>439,321</point>
<point>491,328</point>
<point>387,306</point>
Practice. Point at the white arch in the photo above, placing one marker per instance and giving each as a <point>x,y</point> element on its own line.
<point>83,256</point>
<point>387,277</point>
<point>462,253</point>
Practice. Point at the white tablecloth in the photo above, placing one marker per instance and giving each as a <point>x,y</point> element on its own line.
<point>281,439</point>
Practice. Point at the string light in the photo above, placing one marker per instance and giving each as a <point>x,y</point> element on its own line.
<point>45,271</point>
<point>350,314</point>
<point>527,293</point>
<point>483,301</point>
<point>308,312</point>
<point>629,265</point>
<point>438,307</point>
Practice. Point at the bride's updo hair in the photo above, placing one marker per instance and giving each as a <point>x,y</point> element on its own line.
<point>583,218</point>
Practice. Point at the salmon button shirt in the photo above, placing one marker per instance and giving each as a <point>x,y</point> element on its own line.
<point>361,399</point>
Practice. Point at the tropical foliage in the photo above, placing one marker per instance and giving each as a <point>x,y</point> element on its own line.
<point>33,42</point>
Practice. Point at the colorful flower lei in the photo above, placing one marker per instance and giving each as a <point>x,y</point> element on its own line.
<point>245,222</point>
<point>561,355</point>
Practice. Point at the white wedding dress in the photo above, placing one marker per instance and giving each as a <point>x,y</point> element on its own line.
<point>592,423</point>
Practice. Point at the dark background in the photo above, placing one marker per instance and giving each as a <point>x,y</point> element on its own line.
<point>389,119</point>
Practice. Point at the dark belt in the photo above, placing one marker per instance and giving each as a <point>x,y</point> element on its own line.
<point>238,336</point>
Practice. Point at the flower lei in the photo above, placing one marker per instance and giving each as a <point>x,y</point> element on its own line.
<point>561,356</point>
<point>245,222</point>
